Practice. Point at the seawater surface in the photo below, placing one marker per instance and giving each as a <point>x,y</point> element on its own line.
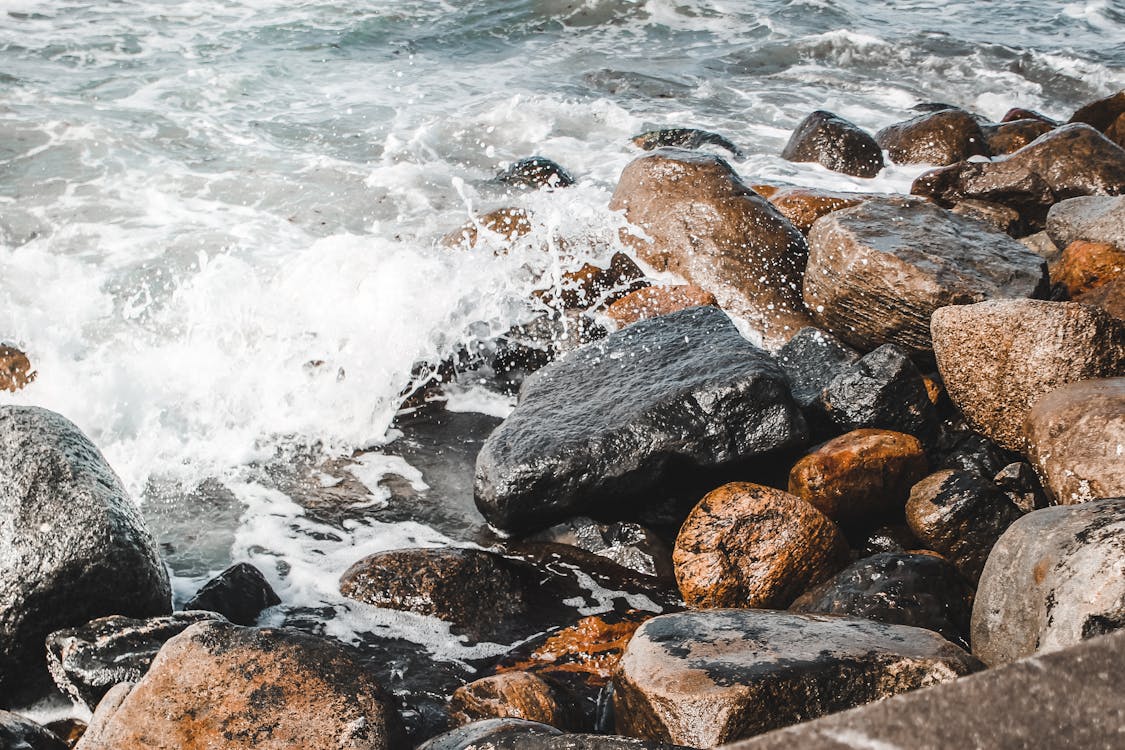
<point>220,221</point>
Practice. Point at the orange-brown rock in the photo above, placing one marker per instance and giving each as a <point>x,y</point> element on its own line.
<point>593,286</point>
<point>860,474</point>
<point>704,224</point>
<point>1088,265</point>
<point>511,695</point>
<point>15,369</point>
<point>653,301</point>
<point>747,545</point>
<point>505,224</point>
<point>1102,113</point>
<point>1109,297</point>
<point>803,206</point>
<point>943,137</point>
<point>590,648</point>
<point>224,687</point>
<point>1116,131</point>
<point>1007,137</point>
<point>1019,113</point>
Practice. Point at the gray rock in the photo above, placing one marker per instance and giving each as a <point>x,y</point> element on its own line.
<point>1017,480</point>
<point>687,138</point>
<point>882,390</point>
<point>239,593</point>
<point>621,419</point>
<point>18,733</point>
<point>517,734</point>
<point>707,677</point>
<point>1054,578</point>
<point>835,144</point>
<point>628,544</point>
<point>73,546</point>
<point>1042,245</point>
<point>1096,218</point>
<point>810,360</point>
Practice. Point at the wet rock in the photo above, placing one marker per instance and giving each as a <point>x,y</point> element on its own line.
<point>995,216</point>
<point>746,545</point>
<point>881,390</point>
<point>516,734</point>
<point>1087,265</point>
<point>811,359</point>
<point>1095,218</point>
<point>239,593</point>
<point>704,678</point>
<point>943,137</point>
<point>997,358</point>
<point>1019,113</point>
<point>803,206</point>
<point>859,475</point>
<point>72,544</point>
<point>705,225</point>
<point>1017,480</point>
<point>1076,440</point>
<point>87,661</point>
<point>1116,131</point>
<point>687,138</point>
<point>1102,113</point>
<point>1052,580</point>
<point>536,172</point>
<point>958,447</point>
<point>654,301</point>
<point>511,695</point>
<point>607,424</point>
<point>68,730</point>
<point>961,515</point>
<point>878,271</point>
<point>18,733</point>
<point>889,538</point>
<point>592,286</point>
<point>1110,297</point>
<point>1012,135</point>
<point>923,591</point>
<point>630,545</point>
<point>504,226</point>
<point>525,348</point>
<point>836,144</point>
<point>15,369</point>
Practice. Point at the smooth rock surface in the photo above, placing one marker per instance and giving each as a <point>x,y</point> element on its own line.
<point>1012,135</point>
<point>1095,218</point>
<point>239,593</point>
<point>835,144</point>
<point>941,137</point>
<point>803,206</point>
<point>511,695</point>
<point>610,422</point>
<point>536,172</point>
<point>19,733</point>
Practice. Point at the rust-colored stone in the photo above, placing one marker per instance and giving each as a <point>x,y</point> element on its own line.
<point>592,285</point>
<point>803,206</point>
<point>589,648</point>
<point>15,369</point>
<point>1088,265</point>
<point>508,224</point>
<point>511,695</point>
<point>654,301</point>
<point>1012,135</point>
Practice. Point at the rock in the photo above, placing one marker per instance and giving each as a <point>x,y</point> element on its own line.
<point>1116,131</point>
<point>72,544</point>
<point>87,661</point>
<point>835,144</point>
<point>1088,265</point>
<point>18,733</point>
<point>746,545</point>
<point>960,448</point>
<point>1101,113</point>
<point>223,687</point>
<point>961,515</point>
<point>1076,440</point>
<point>997,358</point>
<point>859,475</point>
<point>923,591</point>
<point>630,545</point>
<point>69,730</point>
<point>592,286</point>
<point>882,390</point>
<point>15,369</point>
<point>504,226</point>
<point>525,348</point>
<point>803,206</point>
<point>879,270</point>
<point>654,301</point>
<point>607,424</point>
<point>688,138</point>
<point>1012,135</point>
<point>239,593</point>
<point>516,734</point>
<point>1067,699</point>
<point>511,695</point>
<point>536,172</point>
<point>1018,113</point>
<point>1053,579</point>
<point>1095,218</point>
<point>811,359</point>
<point>1018,481</point>
<point>706,226</point>
<point>1040,243</point>
<point>1109,297</point>
<point>889,538</point>
<point>704,678</point>
<point>943,137</point>
<point>993,215</point>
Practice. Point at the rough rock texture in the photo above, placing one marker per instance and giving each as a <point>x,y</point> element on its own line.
<point>879,270</point>
<point>961,515</point>
<point>1085,266</point>
<point>511,695</point>
<point>536,172</point>
<point>703,678</point>
<point>811,359</point>
<point>835,144</point>
<point>1017,480</point>
<point>1057,576</point>
<point>803,206</point>
<point>72,544</point>
<point>505,224</point>
<point>87,661</point>
<point>517,734</point>
<point>1012,135</point>
<point>1041,244</point>
<point>1116,131</point>
<point>882,390</point>
<point>609,422</point>
<point>860,474</point>
<point>689,138</point>
<point>997,358</point>
<point>1067,699</point>
<point>1019,113</point>
<point>1096,218</point>
<point>628,544</point>
<point>591,286</point>
<point>654,301</point>
<point>18,733</point>
<point>1109,297</point>
<point>941,137</point>
<point>221,687</point>
<point>15,369</point>
<point>921,590</point>
<point>994,215</point>
<point>1076,440</point>
<point>239,593</point>
<point>1102,113</point>
<point>745,545</point>
<point>705,225</point>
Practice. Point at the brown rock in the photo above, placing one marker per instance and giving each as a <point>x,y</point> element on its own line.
<point>708,227</point>
<point>860,474</point>
<point>1076,440</point>
<point>835,144</point>
<point>1109,297</point>
<point>1088,265</point>
<point>504,224</point>
<point>746,545</point>
<point>1116,131</point>
<point>15,369</point>
<point>511,695</point>
<point>943,137</point>
<point>592,286</point>
<point>1102,113</point>
<point>1019,113</point>
<point>657,300</point>
<point>1012,135</point>
<point>224,687</point>
<point>803,206</point>
<point>589,649</point>
<point>997,358</point>
<point>997,216</point>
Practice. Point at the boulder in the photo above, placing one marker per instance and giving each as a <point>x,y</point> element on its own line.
<point>517,734</point>
<point>803,206</point>
<point>1096,218</point>
<point>504,226</point>
<point>943,137</point>
<point>835,144</point>
<point>1088,265</point>
<point>998,357</point>
<point>688,138</point>
<point>628,544</point>
<point>881,390</point>
<point>704,678</point>
<point>619,420</point>
<point>15,369</point>
<point>993,215</point>
<point>18,733</point>
<point>898,588</point>
<point>888,538</point>
<point>1110,297</point>
<point>87,661</point>
<point>811,359</point>
<point>223,687</point>
<point>591,286</point>
<point>1053,579</point>
<point>511,695</point>
<point>961,515</point>
<point>73,546</point>
<point>1019,113</point>
<point>1116,131</point>
<point>535,172</point>
<point>1102,113</point>
<point>654,301</point>
<point>746,545</point>
<point>1012,135</point>
<point>701,222</point>
<point>879,270</point>
<point>859,475</point>
<point>1041,244</point>
<point>239,593</point>
<point>1076,440</point>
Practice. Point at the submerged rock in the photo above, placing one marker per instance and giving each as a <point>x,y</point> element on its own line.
<point>239,593</point>
<point>536,172</point>
<point>689,138</point>
<point>943,137</point>
<point>835,144</point>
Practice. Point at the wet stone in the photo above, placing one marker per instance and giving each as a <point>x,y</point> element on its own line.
<point>1109,297</point>
<point>882,390</point>
<point>19,733</point>
<point>943,137</point>
<point>687,138</point>
<point>994,215</point>
<point>239,593</point>
<point>654,301</point>
<point>517,734</point>
<point>514,695</point>
<point>835,144</point>
<point>1012,135</point>
<point>803,206</point>
<point>1017,480</point>
<point>1085,266</point>
<point>628,544</point>
<point>1094,218</point>
<point>811,359</point>
<point>536,172</point>
<point>504,225</point>
<point>1102,113</point>
<point>15,369</point>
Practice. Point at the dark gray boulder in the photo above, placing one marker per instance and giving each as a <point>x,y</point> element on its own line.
<point>836,144</point>
<point>239,593</point>
<point>811,359</point>
<point>618,420</point>
<point>687,138</point>
<point>882,390</point>
<point>18,733</point>
<point>536,172</point>
<point>73,546</point>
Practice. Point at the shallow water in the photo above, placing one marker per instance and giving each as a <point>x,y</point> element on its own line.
<point>219,221</point>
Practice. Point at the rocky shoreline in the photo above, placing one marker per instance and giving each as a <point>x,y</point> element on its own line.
<point>911,482</point>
